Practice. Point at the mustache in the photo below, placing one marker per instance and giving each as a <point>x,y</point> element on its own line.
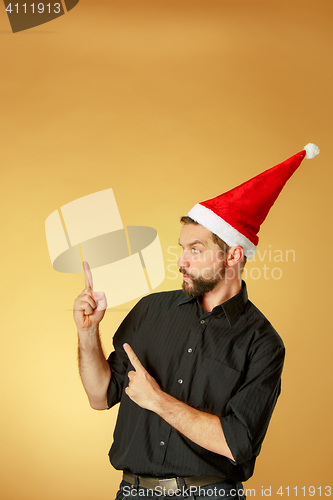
<point>185,273</point>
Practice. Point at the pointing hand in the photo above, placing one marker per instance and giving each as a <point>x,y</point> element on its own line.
<point>142,388</point>
<point>89,307</point>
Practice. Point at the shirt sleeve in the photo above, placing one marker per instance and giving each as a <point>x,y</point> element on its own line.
<point>118,359</point>
<point>248,412</point>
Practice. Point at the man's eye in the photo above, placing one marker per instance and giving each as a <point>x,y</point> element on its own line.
<point>195,250</point>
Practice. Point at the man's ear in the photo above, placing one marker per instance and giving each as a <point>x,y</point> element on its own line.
<point>235,255</point>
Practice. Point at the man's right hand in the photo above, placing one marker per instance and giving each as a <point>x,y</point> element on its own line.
<point>89,307</point>
<point>89,310</point>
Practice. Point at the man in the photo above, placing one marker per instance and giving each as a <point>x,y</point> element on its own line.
<point>197,371</point>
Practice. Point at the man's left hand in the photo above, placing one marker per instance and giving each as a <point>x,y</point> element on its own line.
<point>142,388</point>
<point>202,428</point>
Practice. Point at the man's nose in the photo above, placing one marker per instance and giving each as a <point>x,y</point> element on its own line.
<point>183,261</point>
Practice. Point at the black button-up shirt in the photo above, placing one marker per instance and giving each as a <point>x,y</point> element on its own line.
<point>227,362</point>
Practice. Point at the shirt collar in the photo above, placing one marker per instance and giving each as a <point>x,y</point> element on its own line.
<point>232,308</point>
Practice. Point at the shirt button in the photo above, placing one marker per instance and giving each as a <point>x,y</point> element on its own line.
<point>180,381</point>
<point>162,443</point>
<point>189,349</point>
<point>202,321</point>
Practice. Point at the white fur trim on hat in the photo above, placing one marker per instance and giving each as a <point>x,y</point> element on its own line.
<point>222,229</point>
<point>311,151</point>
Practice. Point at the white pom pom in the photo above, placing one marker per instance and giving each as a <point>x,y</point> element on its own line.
<point>311,151</point>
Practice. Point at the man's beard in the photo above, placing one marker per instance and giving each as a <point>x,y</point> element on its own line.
<point>199,286</point>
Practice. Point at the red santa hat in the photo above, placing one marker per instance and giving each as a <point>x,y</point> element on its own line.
<point>236,216</point>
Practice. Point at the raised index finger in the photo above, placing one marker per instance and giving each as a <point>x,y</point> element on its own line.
<point>133,357</point>
<point>87,275</point>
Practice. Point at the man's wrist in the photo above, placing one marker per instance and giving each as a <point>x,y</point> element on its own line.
<point>88,335</point>
<point>161,403</point>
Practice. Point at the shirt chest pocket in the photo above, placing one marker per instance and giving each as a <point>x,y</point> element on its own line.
<point>220,383</point>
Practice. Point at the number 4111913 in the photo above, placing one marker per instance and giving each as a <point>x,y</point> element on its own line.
<point>39,8</point>
<point>311,491</point>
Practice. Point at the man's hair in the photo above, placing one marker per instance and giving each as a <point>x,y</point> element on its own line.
<point>222,244</point>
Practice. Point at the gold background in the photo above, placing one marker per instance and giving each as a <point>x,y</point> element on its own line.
<point>169,103</point>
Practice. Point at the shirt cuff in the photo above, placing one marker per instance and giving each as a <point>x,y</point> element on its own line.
<point>237,439</point>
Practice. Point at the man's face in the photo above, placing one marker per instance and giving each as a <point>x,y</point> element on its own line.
<point>202,262</point>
